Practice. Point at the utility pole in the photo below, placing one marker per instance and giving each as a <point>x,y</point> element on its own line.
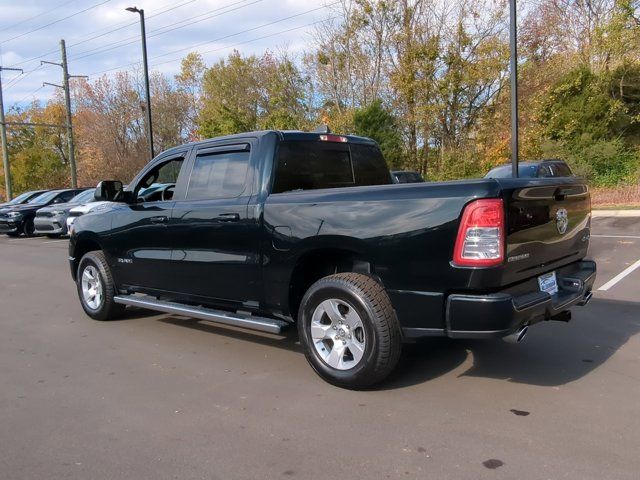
<point>513,41</point>
<point>67,101</point>
<point>5,147</point>
<point>146,76</point>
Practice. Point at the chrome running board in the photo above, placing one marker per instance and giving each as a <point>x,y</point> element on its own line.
<point>252,322</point>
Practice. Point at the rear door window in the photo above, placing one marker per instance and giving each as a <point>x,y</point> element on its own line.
<point>219,173</point>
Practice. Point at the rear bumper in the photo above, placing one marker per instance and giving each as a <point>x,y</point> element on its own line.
<point>499,314</point>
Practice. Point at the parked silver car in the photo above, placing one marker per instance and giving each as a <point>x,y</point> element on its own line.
<point>52,220</point>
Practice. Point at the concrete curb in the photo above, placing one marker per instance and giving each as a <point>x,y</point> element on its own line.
<point>615,213</point>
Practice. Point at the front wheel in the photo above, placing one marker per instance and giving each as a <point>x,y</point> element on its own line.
<point>96,287</point>
<point>28,228</point>
<point>349,330</point>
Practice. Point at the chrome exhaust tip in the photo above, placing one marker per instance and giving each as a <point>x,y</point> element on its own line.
<point>517,336</point>
<point>586,299</point>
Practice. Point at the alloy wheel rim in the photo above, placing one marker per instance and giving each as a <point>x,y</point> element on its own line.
<point>91,287</point>
<point>338,334</point>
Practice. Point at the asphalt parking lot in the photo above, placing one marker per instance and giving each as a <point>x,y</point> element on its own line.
<point>163,397</point>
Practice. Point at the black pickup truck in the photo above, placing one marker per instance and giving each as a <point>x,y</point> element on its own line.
<point>266,229</point>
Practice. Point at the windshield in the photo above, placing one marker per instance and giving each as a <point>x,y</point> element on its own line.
<point>44,197</point>
<point>20,198</point>
<point>84,197</point>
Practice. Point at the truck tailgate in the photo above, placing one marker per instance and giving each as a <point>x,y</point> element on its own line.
<point>547,224</point>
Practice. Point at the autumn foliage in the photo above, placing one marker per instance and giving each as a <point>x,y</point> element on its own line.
<point>427,79</point>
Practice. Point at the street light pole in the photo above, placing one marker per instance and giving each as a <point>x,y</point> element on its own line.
<point>513,41</point>
<point>146,76</point>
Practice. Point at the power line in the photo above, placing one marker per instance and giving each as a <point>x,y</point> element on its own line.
<point>55,21</point>
<point>167,28</point>
<point>216,40</point>
<point>228,36</point>
<point>29,95</point>
<point>21,77</point>
<point>36,16</point>
<point>257,38</point>
<point>131,23</point>
<point>244,31</point>
<point>221,48</point>
<point>86,38</point>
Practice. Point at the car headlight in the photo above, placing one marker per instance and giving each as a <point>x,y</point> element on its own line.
<point>14,215</point>
<point>57,213</point>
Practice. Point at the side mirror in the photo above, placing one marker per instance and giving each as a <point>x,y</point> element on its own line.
<point>109,190</point>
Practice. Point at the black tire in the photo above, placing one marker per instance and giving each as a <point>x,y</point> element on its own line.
<point>382,346</point>
<point>28,228</point>
<point>107,309</point>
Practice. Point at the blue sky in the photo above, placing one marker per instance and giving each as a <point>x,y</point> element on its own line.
<point>30,31</point>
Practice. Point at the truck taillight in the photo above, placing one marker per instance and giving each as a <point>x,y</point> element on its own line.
<point>480,240</point>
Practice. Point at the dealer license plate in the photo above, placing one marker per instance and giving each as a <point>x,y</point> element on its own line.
<point>548,283</point>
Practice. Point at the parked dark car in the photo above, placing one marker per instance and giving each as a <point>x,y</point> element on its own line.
<point>406,176</point>
<point>52,220</point>
<point>19,218</point>
<point>537,169</point>
<point>22,198</point>
<point>265,229</point>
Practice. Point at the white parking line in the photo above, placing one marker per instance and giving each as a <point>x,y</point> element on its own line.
<point>620,276</point>
<point>55,241</point>
<point>616,236</point>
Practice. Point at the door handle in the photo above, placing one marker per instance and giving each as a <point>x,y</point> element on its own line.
<point>160,219</point>
<point>229,217</point>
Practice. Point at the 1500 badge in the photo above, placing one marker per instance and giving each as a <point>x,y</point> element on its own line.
<point>125,260</point>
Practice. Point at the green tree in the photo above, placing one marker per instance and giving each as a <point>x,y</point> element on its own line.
<point>593,120</point>
<point>230,97</point>
<point>378,123</point>
<point>249,93</point>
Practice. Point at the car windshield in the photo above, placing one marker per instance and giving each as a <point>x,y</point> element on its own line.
<point>44,197</point>
<point>20,198</point>
<point>504,171</point>
<point>84,197</point>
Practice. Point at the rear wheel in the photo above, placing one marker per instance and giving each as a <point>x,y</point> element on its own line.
<point>96,287</point>
<point>349,330</point>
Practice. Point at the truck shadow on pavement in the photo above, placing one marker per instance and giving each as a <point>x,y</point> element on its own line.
<point>552,354</point>
<point>288,340</point>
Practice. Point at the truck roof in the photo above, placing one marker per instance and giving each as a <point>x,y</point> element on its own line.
<point>296,135</point>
